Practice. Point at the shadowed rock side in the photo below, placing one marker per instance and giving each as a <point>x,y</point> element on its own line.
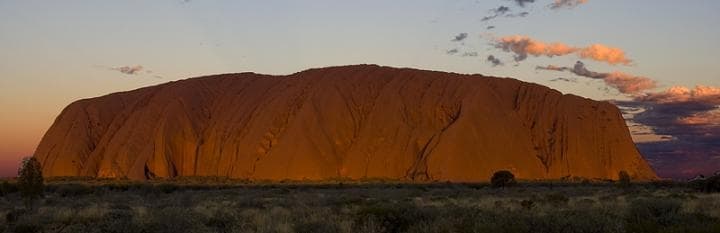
<point>354,122</point>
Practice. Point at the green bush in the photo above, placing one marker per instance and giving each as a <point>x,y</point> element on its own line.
<point>502,179</point>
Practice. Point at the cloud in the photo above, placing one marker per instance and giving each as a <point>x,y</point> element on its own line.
<point>494,61</point>
<point>470,54</point>
<point>500,11</point>
<point>522,46</point>
<point>629,84</point>
<point>680,94</point>
<point>564,80</point>
<point>523,3</point>
<point>504,12</point>
<point>552,68</point>
<point>129,70</point>
<point>624,83</point>
<point>559,4</point>
<point>604,53</point>
<point>691,116</point>
<point>460,37</point>
<point>132,70</point>
<point>452,51</point>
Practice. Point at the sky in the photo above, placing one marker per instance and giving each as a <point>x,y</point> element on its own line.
<point>656,59</point>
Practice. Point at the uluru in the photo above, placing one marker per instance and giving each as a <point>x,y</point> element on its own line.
<point>351,122</point>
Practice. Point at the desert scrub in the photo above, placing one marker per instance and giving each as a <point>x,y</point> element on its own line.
<point>366,208</point>
<point>666,215</point>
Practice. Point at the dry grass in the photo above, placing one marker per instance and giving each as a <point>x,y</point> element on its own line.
<point>227,206</point>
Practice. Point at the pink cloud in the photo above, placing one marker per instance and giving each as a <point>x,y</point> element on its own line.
<point>522,46</point>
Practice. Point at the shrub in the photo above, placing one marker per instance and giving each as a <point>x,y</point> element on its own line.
<point>712,184</point>
<point>30,179</point>
<point>651,215</point>
<point>502,179</point>
<point>119,219</point>
<point>557,199</point>
<point>173,219</point>
<point>623,179</point>
<point>7,188</point>
<point>166,188</point>
<point>223,221</point>
<point>73,190</point>
<point>14,215</point>
<point>317,227</point>
<point>527,204</point>
<point>393,217</point>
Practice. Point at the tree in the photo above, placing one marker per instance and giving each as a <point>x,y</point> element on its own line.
<point>30,179</point>
<point>623,178</point>
<point>502,179</point>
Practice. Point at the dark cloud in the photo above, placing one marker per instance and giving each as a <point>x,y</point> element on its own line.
<point>521,14</point>
<point>624,83</point>
<point>494,61</point>
<point>688,147</point>
<point>564,80</point>
<point>130,70</point>
<point>490,27</point>
<point>460,37</point>
<point>552,68</point>
<point>503,11</point>
<point>452,51</point>
<point>523,3</point>
<point>580,70</point>
<point>689,120</point>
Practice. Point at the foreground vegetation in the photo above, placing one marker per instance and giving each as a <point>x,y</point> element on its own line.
<point>230,206</point>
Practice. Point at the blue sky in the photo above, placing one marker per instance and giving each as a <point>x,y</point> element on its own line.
<point>55,52</point>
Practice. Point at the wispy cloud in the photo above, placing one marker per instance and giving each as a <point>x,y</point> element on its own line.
<point>624,83</point>
<point>470,54</point>
<point>523,3</point>
<point>503,11</point>
<point>559,4</point>
<point>460,37</point>
<point>130,70</point>
<point>523,46</point>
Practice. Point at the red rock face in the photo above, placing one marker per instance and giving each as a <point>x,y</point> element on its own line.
<point>353,122</point>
